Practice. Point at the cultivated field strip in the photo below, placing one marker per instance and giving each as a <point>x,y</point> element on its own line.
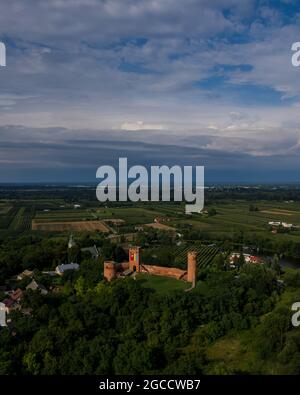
<point>80,226</point>
<point>205,254</point>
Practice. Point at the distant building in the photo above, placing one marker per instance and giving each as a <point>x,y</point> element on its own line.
<point>254,259</point>
<point>17,295</point>
<point>24,274</point>
<point>61,269</point>
<point>159,220</point>
<point>274,223</point>
<point>77,206</point>
<point>287,226</point>
<point>279,223</point>
<point>35,286</point>
<point>9,304</point>
<point>248,258</point>
<point>2,315</point>
<point>95,253</point>
<point>12,301</point>
<point>71,242</point>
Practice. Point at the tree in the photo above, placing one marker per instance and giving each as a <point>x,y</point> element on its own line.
<point>119,255</point>
<point>272,333</point>
<point>219,262</point>
<point>275,264</point>
<point>74,254</point>
<point>241,260</point>
<point>211,212</point>
<point>292,278</point>
<point>91,271</point>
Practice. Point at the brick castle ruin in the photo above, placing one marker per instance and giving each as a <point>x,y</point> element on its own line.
<point>113,270</point>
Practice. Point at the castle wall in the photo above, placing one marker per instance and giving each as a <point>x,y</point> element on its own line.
<point>163,271</point>
<point>123,266</point>
<point>112,269</point>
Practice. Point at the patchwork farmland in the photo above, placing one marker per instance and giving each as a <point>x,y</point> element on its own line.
<point>60,215</point>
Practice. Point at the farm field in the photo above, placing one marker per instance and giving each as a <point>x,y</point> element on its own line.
<point>177,257</point>
<point>205,254</point>
<point>159,226</point>
<point>235,216</point>
<point>63,215</point>
<point>4,208</point>
<point>131,215</point>
<point>16,217</point>
<point>80,226</point>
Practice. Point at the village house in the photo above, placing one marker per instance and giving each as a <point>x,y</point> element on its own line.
<point>61,269</point>
<point>24,274</point>
<point>274,223</point>
<point>233,258</point>
<point>16,295</point>
<point>286,225</point>
<point>95,253</point>
<point>161,219</point>
<point>12,302</point>
<point>8,305</point>
<point>278,224</point>
<point>35,286</point>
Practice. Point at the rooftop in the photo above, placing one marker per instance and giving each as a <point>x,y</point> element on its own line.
<point>68,266</point>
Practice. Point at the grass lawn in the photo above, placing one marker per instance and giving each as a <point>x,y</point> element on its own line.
<point>162,285</point>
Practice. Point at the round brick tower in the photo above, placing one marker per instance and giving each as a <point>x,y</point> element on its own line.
<point>109,270</point>
<point>192,267</point>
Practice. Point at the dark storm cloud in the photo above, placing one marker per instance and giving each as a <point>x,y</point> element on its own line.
<point>52,158</point>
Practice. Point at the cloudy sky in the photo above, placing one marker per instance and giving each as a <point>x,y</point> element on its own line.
<point>158,81</point>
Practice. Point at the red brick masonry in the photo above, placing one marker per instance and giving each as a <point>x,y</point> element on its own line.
<point>113,269</point>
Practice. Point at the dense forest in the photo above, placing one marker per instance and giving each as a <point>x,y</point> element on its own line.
<point>94,327</point>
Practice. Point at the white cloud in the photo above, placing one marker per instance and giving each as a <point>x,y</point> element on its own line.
<point>140,125</point>
<point>103,65</point>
